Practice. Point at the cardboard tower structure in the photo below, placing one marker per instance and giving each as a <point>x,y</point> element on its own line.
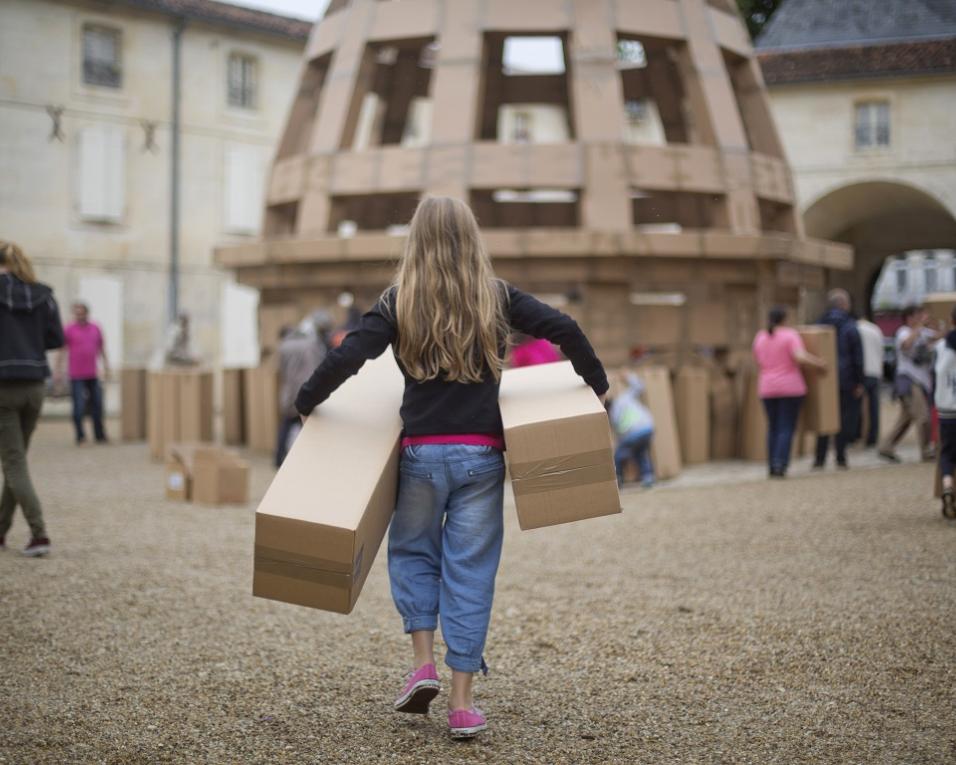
<point>640,184</point>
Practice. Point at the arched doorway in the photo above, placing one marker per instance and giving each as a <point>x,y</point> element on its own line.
<point>879,218</point>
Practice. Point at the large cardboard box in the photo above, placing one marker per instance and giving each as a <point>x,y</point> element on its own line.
<point>940,306</point>
<point>692,393</point>
<point>233,407</point>
<point>195,405</point>
<point>262,406</point>
<point>219,477</point>
<point>753,417</point>
<point>179,472</point>
<point>154,414</point>
<point>133,404</point>
<point>821,410</point>
<point>559,448</point>
<point>322,520</point>
<point>659,397</point>
<point>723,416</point>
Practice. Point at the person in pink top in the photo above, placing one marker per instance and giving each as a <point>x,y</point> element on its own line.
<point>84,346</point>
<point>779,352</point>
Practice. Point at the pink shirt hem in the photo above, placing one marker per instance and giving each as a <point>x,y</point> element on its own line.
<point>464,439</point>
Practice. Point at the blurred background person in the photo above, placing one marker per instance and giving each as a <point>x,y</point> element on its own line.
<point>850,376</point>
<point>913,383</point>
<point>529,351</point>
<point>300,352</point>
<point>945,399</point>
<point>633,425</point>
<point>178,349</point>
<point>29,327</point>
<point>871,337</point>
<point>779,351</point>
<point>83,347</point>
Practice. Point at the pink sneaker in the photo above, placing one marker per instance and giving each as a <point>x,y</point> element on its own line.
<point>421,688</point>
<point>466,723</point>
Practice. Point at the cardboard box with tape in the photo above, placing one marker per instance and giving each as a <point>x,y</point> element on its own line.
<point>322,520</point>
<point>559,448</point>
<point>206,474</point>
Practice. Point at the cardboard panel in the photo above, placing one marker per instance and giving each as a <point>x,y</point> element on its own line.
<point>723,416</point>
<point>753,418</point>
<point>154,414</point>
<point>692,393</point>
<point>233,407</point>
<point>133,415</point>
<point>262,407</point>
<point>195,406</point>
<point>659,397</point>
<point>822,406</point>
<point>560,453</point>
<point>322,520</point>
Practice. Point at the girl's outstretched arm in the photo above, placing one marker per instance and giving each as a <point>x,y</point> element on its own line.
<point>374,334</point>
<point>529,315</point>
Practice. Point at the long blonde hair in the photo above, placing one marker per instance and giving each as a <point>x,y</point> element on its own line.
<point>16,262</point>
<point>449,305</point>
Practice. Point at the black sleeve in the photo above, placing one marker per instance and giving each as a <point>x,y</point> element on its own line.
<point>374,334</point>
<point>531,316</point>
<point>53,333</point>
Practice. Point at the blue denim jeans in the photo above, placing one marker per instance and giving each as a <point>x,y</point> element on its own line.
<point>444,544</point>
<point>635,446</point>
<point>83,392</point>
<point>782,415</point>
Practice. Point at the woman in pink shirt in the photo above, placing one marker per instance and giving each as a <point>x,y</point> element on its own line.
<point>779,352</point>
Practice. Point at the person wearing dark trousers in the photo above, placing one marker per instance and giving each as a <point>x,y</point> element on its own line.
<point>779,352</point>
<point>871,337</point>
<point>29,327</point>
<point>850,363</point>
<point>945,400</point>
<point>84,345</point>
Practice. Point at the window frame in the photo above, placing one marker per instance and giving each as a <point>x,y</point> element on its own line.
<point>252,59</point>
<point>90,25</point>
<point>872,104</point>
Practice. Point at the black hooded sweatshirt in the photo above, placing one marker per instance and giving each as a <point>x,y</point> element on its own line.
<point>29,327</point>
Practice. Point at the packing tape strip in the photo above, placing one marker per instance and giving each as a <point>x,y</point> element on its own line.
<point>302,573</point>
<point>562,472</point>
<point>307,561</point>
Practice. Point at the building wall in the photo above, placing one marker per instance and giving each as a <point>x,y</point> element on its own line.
<point>816,123</point>
<point>41,67</point>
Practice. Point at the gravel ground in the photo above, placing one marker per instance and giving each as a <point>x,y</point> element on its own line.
<point>804,621</point>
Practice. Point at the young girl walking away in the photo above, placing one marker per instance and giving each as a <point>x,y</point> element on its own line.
<point>945,400</point>
<point>447,319</point>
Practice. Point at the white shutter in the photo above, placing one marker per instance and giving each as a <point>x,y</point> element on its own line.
<point>101,187</point>
<point>243,193</point>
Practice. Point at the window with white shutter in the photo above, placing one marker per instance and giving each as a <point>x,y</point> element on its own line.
<point>244,178</point>
<point>101,173</point>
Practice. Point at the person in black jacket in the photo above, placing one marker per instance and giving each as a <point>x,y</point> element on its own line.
<point>447,319</point>
<point>29,327</point>
<point>850,364</point>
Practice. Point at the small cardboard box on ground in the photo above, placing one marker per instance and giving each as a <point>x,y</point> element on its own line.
<point>659,397</point>
<point>559,448</point>
<point>206,474</point>
<point>821,409</point>
<point>692,394</point>
<point>133,404</point>
<point>322,520</point>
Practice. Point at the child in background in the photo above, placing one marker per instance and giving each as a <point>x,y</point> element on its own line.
<point>447,319</point>
<point>634,425</point>
<point>945,398</point>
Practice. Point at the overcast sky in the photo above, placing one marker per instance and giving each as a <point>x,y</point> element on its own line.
<point>304,9</point>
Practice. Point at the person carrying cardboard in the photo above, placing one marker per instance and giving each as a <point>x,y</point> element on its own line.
<point>945,399</point>
<point>633,424</point>
<point>447,318</point>
<point>779,351</point>
<point>849,376</point>
<point>29,327</point>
